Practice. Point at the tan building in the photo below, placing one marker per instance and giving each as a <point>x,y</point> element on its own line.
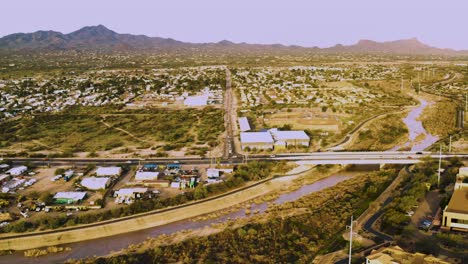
<point>455,216</point>
<point>456,213</point>
<point>396,255</point>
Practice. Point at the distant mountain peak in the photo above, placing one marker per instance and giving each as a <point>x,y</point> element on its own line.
<point>226,42</point>
<point>99,37</point>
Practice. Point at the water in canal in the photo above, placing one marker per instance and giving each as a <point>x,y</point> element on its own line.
<point>104,246</point>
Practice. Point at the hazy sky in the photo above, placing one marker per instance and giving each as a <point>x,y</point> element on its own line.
<point>441,23</point>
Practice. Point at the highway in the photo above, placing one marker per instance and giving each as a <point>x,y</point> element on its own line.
<point>397,157</point>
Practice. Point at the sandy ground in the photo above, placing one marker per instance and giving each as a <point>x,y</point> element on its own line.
<point>44,183</point>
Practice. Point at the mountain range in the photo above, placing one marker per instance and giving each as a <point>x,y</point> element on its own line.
<point>101,38</point>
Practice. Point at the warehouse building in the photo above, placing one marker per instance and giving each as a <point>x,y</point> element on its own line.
<point>108,171</point>
<point>256,140</point>
<point>290,138</point>
<point>94,183</point>
<point>17,171</point>
<point>146,175</point>
<point>128,195</point>
<point>69,197</point>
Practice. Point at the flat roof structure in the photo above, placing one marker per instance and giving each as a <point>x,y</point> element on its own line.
<point>244,124</point>
<point>289,135</point>
<point>108,171</point>
<point>95,183</point>
<point>463,171</point>
<point>146,175</point>
<point>196,100</point>
<point>75,196</point>
<point>130,191</point>
<point>15,171</point>
<point>256,137</point>
<point>212,173</point>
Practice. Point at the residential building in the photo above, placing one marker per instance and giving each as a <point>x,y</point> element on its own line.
<point>396,255</point>
<point>256,140</point>
<point>108,171</point>
<point>69,197</point>
<point>96,183</point>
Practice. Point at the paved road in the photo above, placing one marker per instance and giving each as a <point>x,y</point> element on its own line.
<point>229,146</point>
<point>397,157</point>
<point>368,226</point>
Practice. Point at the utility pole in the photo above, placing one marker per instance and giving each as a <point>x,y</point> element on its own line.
<point>350,239</point>
<point>440,163</point>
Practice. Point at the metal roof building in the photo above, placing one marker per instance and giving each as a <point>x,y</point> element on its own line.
<point>258,140</point>
<point>244,124</point>
<point>69,197</point>
<point>108,171</point>
<point>94,183</point>
<point>289,135</point>
<point>146,175</point>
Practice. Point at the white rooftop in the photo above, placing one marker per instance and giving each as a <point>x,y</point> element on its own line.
<point>146,175</point>
<point>289,135</point>
<point>70,195</point>
<point>108,171</point>
<point>95,183</point>
<point>256,137</point>
<point>17,170</point>
<point>212,173</point>
<point>200,100</point>
<point>130,191</point>
<point>463,171</point>
<point>244,124</point>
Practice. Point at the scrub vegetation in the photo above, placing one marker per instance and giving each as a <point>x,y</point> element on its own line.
<point>83,130</point>
<point>294,232</point>
<point>381,134</point>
